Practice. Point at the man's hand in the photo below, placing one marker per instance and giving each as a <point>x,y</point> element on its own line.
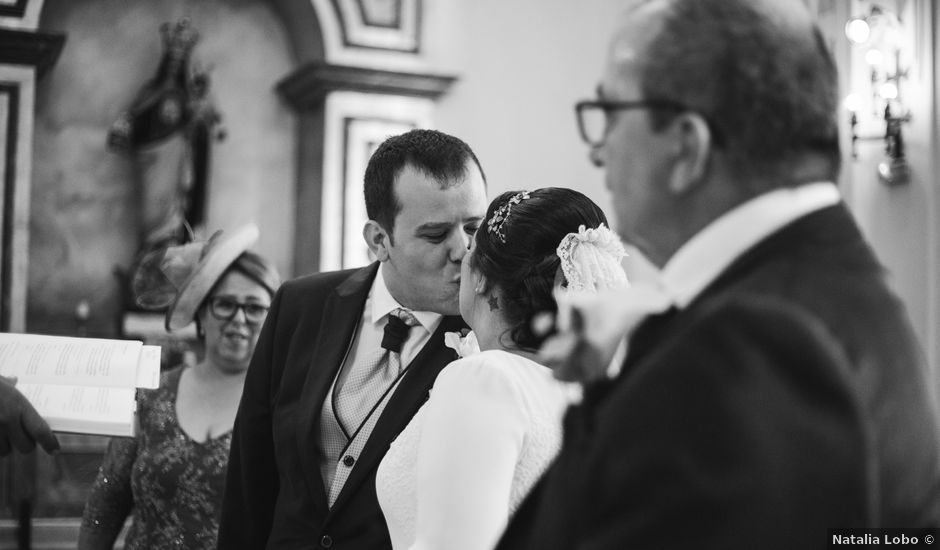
<point>592,326</point>
<point>21,427</point>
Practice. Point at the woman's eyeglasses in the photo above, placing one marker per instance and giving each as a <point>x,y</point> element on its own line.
<point>225,309</point>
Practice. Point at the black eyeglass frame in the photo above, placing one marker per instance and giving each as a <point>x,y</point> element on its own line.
<point>608,106</point>
<point>254,318</point>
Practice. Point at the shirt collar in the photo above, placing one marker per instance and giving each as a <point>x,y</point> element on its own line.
<point>700,260</point>
<point>383,303</point>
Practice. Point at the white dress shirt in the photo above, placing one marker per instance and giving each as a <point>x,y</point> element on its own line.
<point>709,252</point>
<point>706,255</point>
<point>371,328</point>
<point>334,445</point>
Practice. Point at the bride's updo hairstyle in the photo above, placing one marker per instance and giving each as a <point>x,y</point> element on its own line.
<point>516,250</point>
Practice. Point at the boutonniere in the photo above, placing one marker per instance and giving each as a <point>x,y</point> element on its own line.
<point>463,342</point>
<point>593,328</point>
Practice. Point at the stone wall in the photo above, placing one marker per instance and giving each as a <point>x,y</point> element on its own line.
<point>84,218</point>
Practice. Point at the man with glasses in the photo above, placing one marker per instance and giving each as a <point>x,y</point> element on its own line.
<point>782,392</point>
<point>346,358</point>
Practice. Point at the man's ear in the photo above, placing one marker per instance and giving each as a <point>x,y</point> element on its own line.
<point>377,239</point>
<point>693,146</point>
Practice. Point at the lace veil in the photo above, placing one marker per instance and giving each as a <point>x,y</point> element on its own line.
<point>590,260</point>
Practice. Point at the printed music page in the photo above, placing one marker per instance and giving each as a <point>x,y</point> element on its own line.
<point>81,385</point>
<point>88,410</point>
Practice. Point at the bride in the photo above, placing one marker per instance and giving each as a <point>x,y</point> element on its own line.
<point>492,423</point>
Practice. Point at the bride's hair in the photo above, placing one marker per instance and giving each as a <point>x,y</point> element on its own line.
<point>516,250</point>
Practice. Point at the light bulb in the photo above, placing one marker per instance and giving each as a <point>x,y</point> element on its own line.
<point>888,90</point>
<point>874,57</point>
<point>852,102</point>
<point>857,30</point>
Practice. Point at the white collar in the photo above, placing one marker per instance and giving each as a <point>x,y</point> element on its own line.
<point>383,303</point>
<point>702,258</point>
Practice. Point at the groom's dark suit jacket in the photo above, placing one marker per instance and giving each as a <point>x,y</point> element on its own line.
<point>275,497</point>
<point>788,398</point>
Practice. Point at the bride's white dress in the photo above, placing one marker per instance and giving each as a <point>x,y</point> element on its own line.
<point>459,470</point>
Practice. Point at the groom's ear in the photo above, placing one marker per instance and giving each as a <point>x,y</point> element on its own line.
<point>377,239</point>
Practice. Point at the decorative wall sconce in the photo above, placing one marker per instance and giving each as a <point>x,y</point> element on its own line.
<point>881,35</point>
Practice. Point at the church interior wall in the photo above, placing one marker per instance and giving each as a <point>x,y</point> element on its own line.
<point>520,66</point>
<point>84,215</point>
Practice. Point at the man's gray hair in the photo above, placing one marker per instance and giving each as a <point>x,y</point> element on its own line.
<point>768,89</point>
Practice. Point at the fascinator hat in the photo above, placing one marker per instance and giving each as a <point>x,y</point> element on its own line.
<point>179,278</point>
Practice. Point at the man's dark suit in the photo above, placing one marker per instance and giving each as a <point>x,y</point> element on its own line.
<point>789,397</point>
<point>275,496</point>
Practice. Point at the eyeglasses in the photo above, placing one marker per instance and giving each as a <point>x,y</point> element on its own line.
<point>225,309</point>
<point>594,120</point>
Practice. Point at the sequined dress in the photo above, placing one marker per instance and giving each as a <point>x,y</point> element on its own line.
<point>170,484</point>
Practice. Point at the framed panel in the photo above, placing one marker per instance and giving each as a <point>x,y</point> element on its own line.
<point>361,138</point>
<point>381,13</point>
<point>380,24</point>
<point>355,124</point>
<point>9,109</point>
<point>17,85</point>
<point>14,8</point>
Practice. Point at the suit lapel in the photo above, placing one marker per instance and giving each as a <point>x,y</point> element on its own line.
<point>341,314</point>
<point>830,231</point>
<point>647,336</point>
<point>819,232</point>
<point>402,406</point>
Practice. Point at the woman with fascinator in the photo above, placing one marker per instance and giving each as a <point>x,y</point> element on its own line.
<point>492,423</point>
<point>169,477</point>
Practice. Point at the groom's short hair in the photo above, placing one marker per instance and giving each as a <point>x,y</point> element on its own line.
<point>441,156</point>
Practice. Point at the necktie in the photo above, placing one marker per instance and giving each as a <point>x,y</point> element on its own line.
<point>369,380</point>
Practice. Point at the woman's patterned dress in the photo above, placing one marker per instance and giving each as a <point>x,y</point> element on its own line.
<point>170,484</point>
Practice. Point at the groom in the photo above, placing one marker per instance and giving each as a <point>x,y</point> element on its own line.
<point>784,392</point>
<point>319,410</point>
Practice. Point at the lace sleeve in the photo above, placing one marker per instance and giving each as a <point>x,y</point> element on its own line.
<point>110,500</point>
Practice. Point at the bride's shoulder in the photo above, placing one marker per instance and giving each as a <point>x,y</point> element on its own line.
<point>482,370</point>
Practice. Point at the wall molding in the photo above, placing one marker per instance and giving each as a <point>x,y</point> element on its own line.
<point>14,9</point>
<point>34,49</point>
<point>365,24</point>
<point>11,93</point>
<point>353,124</point>
<point>307,87</point>
<point>17,88</point>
